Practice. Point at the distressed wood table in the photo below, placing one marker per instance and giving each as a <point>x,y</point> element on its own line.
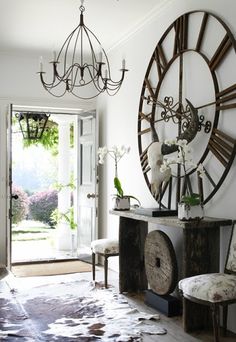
<point>201,254</point>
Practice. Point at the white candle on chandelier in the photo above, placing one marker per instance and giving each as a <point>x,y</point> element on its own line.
<point>123,63</point>
<point>41,64</point>
<point>54,56</point>
<point>106,73</point>
<point>100,57</point>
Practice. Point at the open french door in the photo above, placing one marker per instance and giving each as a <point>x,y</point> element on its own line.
<point>87,183</point>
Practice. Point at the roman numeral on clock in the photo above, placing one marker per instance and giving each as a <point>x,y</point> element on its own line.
<point>225,96</point>
<point>144,162</point>
<point>160,58</point>
<point>202,31</point>
<point>149,87</point>
<point>220,53</point>
<point>222,146</point>
<point>181,34</point>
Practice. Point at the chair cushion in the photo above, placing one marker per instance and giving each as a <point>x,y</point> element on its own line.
<point>105,246</point>
<point>213,287</point>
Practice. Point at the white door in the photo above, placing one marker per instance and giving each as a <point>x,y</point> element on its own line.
<point>87,183</point>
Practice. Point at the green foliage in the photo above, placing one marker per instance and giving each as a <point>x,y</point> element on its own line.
<point>193,199</point>
<point>117,185</point>
<point>20,206</point>
<point>58,186</point>
<point>68,216</point>
<point>49,139</point>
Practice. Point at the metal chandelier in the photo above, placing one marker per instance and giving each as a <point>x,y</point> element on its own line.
<point>82,63</point>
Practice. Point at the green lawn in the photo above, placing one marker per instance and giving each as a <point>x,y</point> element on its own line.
<point>31,230</point>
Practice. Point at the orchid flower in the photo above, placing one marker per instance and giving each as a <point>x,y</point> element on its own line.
<point>184,158</point>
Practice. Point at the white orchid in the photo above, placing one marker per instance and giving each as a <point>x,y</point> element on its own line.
<point>102,152</point>
<point>200,170</point>
<point>184,158</point>
<point>115,153</point>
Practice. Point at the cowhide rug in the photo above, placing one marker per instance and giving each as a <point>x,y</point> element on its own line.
<point>72,311</point>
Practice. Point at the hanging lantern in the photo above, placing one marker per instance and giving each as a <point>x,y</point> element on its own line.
<point>32,124</point>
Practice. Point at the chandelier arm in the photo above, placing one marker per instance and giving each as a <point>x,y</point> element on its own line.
<point>113,93</point>
<point>103,51</point>
<point>86,66</point>
<point>53,94</point>
<point>79,33</point>
<point>50,86</point>
<point>45,84</point>
<point>94,60</point>
<point>67,42</point>
<point>111,83</point>
<point>96,82</point>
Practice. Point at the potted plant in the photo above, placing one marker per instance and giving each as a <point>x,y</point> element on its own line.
<point>120,201</point>
<point>190,206</point>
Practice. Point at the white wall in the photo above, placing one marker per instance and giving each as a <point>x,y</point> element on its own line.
<point>118,120</point>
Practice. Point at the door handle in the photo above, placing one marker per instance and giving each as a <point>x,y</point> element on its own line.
<point>91,195</point>
<point>15,197</point>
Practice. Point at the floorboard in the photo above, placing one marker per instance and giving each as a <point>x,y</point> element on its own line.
<point>173,325</point>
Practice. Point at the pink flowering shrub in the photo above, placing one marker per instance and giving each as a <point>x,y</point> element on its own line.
<point>42,204</point>
<point>20,206</point>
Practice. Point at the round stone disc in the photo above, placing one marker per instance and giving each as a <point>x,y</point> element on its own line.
<point>160,263</point>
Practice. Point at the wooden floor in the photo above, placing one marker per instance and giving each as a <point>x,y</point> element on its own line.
<point>172,325</point>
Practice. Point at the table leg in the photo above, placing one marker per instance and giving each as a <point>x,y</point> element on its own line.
<point>201,249</point>
<point>132,235</point>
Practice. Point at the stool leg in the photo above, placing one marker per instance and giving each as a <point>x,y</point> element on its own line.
<point>225,315</point>
<point>93,263</point>
<point>106,269</point>
<point>215,318</point>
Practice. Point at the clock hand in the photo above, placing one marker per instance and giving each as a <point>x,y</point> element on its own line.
<point>180,91</point>
<point>207,104</point>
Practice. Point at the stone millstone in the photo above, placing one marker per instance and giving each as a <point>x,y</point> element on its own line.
<point>160,263</point>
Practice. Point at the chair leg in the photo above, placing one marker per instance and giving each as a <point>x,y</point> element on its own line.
<point>93,264</point>
<point>225,316</point>
<point>215,319</point>
<point>106,269</point>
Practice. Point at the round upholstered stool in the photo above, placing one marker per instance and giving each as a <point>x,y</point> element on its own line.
<point>106,248</point>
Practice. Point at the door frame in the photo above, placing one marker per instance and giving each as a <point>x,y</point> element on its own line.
<point>53,110</point>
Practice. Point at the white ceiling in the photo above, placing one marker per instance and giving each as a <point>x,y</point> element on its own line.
<point>43,25</point>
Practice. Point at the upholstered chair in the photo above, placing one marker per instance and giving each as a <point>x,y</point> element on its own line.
<point>215,289</point>
<point>105,248</point>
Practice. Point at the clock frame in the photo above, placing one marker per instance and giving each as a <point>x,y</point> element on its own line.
<point>221,142</point>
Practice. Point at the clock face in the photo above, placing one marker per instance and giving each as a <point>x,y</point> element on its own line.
<point>195,61</point>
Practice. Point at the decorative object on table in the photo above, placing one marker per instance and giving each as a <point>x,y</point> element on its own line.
<point>162,273</point>
<point>215,289</point>
<point>190,206</point>
<point>106,248</point>
<point>85,68</point>
<point>120,201</point>
<point>156,212</point>
<point>73,311</point>
<point>182,61</point>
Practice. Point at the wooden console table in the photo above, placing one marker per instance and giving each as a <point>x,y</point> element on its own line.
<point>201,251</point>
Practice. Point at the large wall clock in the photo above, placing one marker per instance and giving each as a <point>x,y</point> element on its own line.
<point>195,59</point>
